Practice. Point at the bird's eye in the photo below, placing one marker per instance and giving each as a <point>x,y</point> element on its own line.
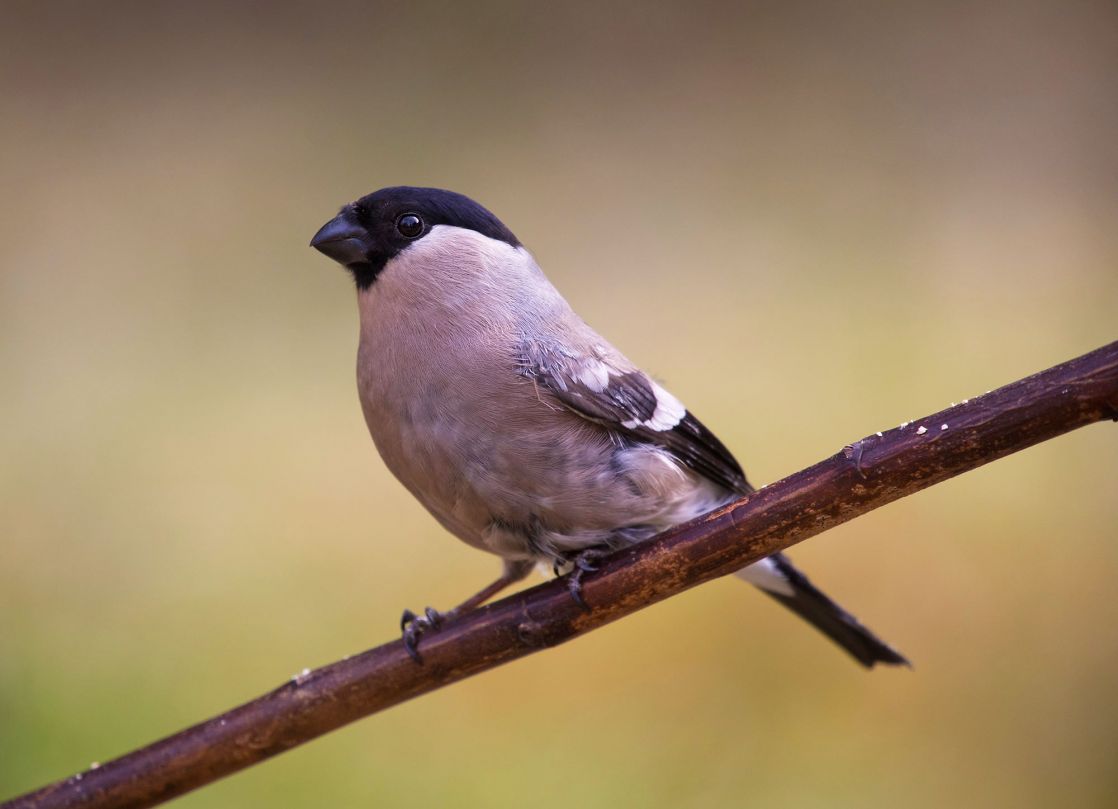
<point>409,225</point>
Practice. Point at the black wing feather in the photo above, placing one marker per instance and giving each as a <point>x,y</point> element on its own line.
<point>626,405</point>
<point>700,449</point>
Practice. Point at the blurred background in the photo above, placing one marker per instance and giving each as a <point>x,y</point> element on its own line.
<point>811,223</point>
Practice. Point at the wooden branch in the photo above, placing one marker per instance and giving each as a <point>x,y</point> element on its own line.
<point>863,476</point>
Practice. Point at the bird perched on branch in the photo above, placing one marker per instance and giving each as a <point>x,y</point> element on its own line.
<point>519,427</point>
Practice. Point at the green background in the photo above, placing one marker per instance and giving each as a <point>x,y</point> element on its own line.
<point>812,224</point>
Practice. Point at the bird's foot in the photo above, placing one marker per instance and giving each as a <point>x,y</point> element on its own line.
<point>583,562</point>
<point>413,627</point>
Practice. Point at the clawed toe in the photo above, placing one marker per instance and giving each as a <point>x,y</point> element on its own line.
<point>584,562</point>
<point>413,627</point>
<point>574,587</point>
<point>587,560</point>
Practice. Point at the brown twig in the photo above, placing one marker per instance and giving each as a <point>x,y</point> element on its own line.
<point>865,475</point>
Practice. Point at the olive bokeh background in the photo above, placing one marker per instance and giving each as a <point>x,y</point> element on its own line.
<point>811,223</point>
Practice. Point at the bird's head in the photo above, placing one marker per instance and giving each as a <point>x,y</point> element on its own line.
<point>370,232</point>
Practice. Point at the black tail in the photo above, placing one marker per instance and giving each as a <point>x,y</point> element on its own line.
<point>832,620</point>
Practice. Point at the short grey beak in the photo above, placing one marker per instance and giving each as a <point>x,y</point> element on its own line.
<point>342,240</point>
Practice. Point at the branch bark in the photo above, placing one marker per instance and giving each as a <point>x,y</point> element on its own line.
<point>865,475</point>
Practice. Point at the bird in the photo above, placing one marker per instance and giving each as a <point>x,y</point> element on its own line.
<point>521,429</point>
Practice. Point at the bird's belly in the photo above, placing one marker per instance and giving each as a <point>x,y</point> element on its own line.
<point>539,491</point>
<point>431,458</point>
<point>520,477</point>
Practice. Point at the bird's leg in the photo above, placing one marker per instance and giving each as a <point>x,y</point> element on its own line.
<point>513,572</point>
<point>585,561</point>
<point>413,626</point>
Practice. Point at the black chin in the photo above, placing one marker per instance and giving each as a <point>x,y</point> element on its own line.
<point>365,273</point>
